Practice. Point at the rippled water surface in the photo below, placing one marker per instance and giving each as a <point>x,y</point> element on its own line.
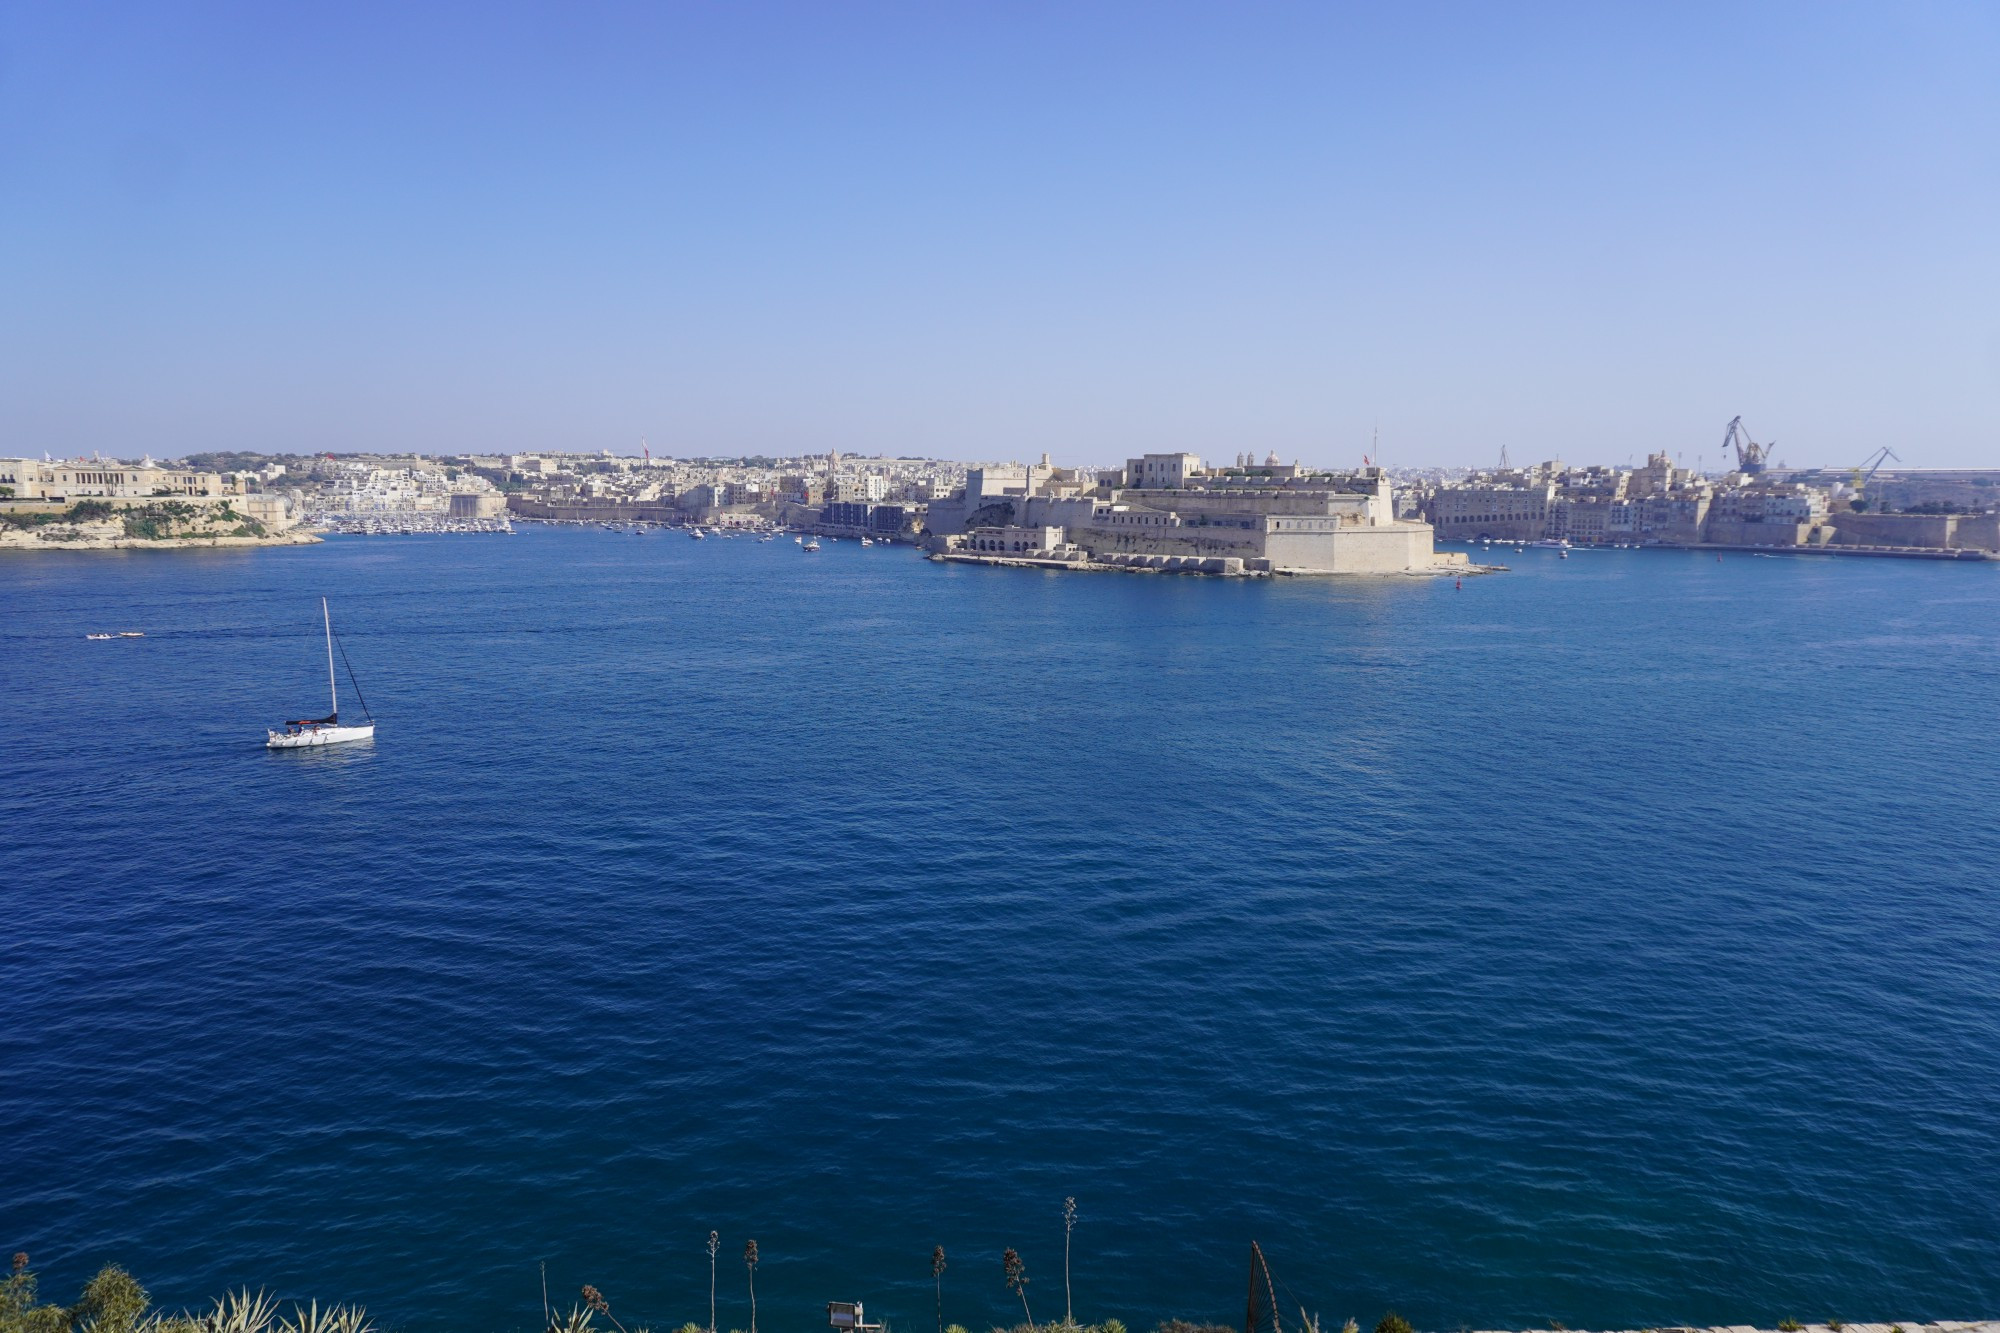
<point>1615,941</point>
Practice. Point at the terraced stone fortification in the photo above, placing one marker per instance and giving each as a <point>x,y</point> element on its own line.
<point>1272,518</point>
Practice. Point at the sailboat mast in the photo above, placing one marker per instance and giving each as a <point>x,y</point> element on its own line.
<point>332,686</point>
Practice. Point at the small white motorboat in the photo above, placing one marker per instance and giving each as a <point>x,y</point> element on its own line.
<point>813,545</point>
<point>306,733</point>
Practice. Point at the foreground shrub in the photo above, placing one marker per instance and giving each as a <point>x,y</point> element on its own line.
<point>112,1302</point>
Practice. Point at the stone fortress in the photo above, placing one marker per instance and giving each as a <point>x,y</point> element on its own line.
<point>1169,512</point>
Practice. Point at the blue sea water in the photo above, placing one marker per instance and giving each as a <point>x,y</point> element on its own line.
<point>1614,941</point>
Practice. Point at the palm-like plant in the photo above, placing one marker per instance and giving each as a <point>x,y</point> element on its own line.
<point>937,1280</point>
<point>750,1264</point>
<point>333,1319</point>
<point>576,1321</point>
<point>239,1312</point>
<point>1017,1282</point>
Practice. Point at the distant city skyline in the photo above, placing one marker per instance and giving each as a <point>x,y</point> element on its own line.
<point>1574,232</point>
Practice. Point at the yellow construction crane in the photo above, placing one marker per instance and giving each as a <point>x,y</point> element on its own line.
<point>1865,473</point>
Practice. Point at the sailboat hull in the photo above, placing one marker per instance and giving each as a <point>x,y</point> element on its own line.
<point>309,737</point>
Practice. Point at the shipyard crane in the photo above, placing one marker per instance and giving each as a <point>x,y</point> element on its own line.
<point>1872,464</point>
<point>1751,457</point>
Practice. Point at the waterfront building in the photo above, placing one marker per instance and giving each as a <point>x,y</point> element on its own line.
<point>846,514</point>
<point>1767,512</point>
<point>83,479</point>
<point>1043,541</point>
<point>1658,504</point>
<point>470,504</point>
<point>1499,510</point>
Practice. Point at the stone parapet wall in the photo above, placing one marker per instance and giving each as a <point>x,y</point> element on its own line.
<point>1906,1326</point>
<point>1941,531</point>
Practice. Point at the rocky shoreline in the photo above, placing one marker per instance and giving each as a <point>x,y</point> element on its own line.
<point>111,536</point>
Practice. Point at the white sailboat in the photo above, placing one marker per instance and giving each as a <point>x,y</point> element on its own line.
<point>324,730</point>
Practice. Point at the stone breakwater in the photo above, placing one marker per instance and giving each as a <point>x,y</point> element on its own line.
<point>1225,567</point>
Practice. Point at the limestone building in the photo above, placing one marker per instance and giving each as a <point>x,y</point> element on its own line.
<point>82,479</point>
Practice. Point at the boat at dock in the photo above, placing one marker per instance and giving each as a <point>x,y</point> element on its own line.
<point>309,732</point>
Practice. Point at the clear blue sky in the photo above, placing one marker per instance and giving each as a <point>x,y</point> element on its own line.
<point>989,230</point>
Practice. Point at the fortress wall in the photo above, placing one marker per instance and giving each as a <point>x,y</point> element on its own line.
<point>1164,540</point>
<point>1393,549</point>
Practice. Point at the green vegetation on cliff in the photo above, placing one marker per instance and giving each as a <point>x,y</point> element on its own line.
<point>83,511</point>
<point>156,520</point>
